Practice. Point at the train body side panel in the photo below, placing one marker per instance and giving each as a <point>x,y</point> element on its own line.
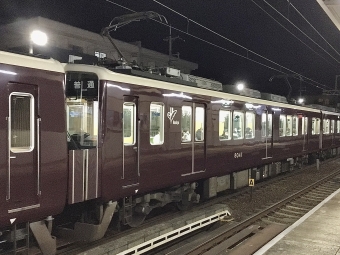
<point>50,167</point>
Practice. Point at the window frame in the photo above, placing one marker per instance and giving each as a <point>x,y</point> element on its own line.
<point>284,126</point>
<point>229,125</point>
<point>161,128</point>
<point>325,126</point>
<point>253,124</point>
<point>190,127</point>
<point>133,124</point>
<point>241,128</point>
<point>316,120</point>
<point>304,126</point>
<point>31,125</point>
<point>199,116</point>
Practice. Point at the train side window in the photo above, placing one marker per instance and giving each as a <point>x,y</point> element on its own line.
<point>325,126</point>
<point>129,125</point>
<point>332,126</point>
<point>224,125</point>
<point>156,123</point>
<point>22,122</point>
<point>249,131</point>
<point>186,123</point>
<point>304,127</point>
<point>338,126</point>
<point>315,126</point>
<point>283,125</point>
<point>289,125</point>
<point>199,124</point>
<point>295,126</point>
<point>238,125</point>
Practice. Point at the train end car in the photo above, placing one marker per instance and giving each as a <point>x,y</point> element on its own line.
<point>33,146</point>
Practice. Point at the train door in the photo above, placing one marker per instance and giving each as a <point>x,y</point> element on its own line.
<point>131,138</point>
<point>23,168</point>
<point>193,128</point>
<point>267,133</point>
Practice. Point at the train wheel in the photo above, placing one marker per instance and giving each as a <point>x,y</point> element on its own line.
<point>184,206</point>
<point>136,219</point>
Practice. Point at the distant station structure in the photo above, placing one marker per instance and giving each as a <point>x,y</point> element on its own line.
<point>68,44</point>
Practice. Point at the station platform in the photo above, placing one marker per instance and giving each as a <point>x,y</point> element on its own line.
<point>317,232</point>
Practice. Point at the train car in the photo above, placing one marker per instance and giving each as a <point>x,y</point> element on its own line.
<point>33,154</point>
<point>145,141</point>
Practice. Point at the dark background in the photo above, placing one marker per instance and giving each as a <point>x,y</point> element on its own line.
<point>241,21</point>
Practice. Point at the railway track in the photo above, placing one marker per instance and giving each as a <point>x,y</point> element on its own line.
<point>243,209</point>
<point>252,233</point>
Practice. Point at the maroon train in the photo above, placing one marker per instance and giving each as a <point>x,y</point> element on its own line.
<point>90,142</point>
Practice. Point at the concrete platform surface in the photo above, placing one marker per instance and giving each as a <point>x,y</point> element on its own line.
<point>317,232</point>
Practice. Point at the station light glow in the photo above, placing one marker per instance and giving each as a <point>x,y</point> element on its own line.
<point>240,86</point>
<point>118,87</point>
<point>181,95</point>
<point>7,72</point>
<point>39,38</point>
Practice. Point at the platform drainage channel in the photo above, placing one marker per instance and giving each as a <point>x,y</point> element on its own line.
<point>172,235</point>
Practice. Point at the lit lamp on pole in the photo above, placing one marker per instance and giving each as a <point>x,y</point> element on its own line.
<point>240,86</point>
<point>301,100</point>
<point>39,38</point>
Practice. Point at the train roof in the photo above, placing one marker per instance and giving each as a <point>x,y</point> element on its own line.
<point>31,62</point>
<point>108,75</point>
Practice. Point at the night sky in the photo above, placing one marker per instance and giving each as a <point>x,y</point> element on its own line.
<point>241,21</point>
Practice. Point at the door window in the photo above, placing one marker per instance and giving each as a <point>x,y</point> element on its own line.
<point>186,124</point>
<point>266,126</point>
<point>249,132</point>
<point>315,126</point>
<point>224,125</point>
<point>22,122</point>
<point>156,123</point>
<point>129,124</point>
<point>199,124</point>
<point>304,125</point>
<point>238,124</point>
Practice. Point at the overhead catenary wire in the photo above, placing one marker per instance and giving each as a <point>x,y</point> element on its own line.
<point>233,42</point>
<point>293,34</point>
<point>290,3</point>
<point>305,79</point>
<point>302,31</point>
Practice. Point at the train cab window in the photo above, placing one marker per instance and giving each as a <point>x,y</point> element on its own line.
<point>238,125</point>
<point>156,123</point>
<point>129,125</point>
<point>304,127</point>
<point>326,126</point>
<point>295,126</point>
<point>282,125</point>
<point>186,123</point>
<point>82,108</point>
<point>338,126</point>
<point>332,126</point>
<point>21,122</point>
<point>199,124</point>
<point>224,125</point>
<point>289,125</point>
<point>249,131</point>
<point>315,126</point>
<point>82,123</point>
